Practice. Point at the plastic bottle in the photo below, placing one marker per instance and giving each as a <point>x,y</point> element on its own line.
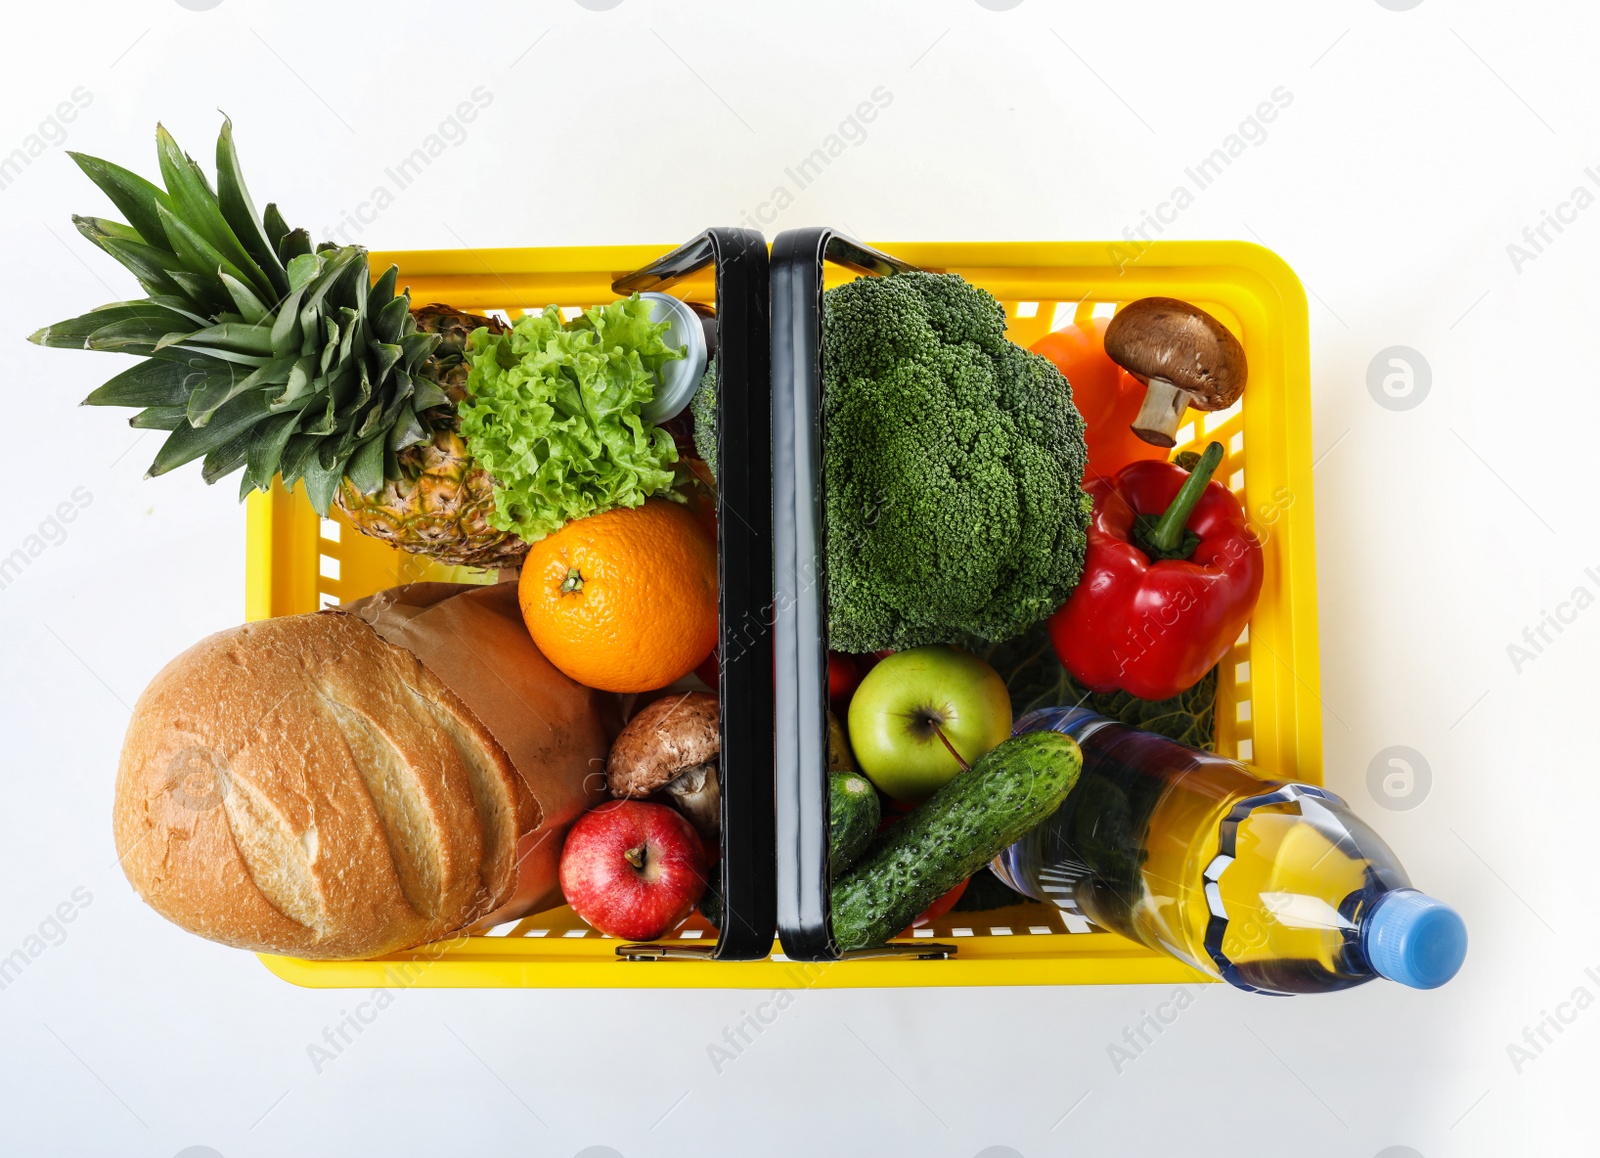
<point>1274,886</point>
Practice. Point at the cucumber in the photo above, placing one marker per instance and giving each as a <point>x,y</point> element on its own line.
<point>853,816</point>
<point>1012,789</point>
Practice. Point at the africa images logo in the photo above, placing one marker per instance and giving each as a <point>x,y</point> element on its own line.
<point>1398,778</point>
<point>1399,378</point>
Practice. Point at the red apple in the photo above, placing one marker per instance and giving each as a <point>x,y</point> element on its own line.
<point>632,869</point>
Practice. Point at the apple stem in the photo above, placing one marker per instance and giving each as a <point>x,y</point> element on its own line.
<point>635,856</point>
<point>945,740</point>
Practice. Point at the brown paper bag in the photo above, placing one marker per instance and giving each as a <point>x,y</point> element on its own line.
<point>556,731</point>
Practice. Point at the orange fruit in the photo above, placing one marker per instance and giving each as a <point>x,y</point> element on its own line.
<point>626,600</point>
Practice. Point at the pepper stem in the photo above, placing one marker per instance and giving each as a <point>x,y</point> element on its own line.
<point>1166,534</point>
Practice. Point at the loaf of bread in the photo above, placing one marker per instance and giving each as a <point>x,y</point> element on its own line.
<point>304,786</point>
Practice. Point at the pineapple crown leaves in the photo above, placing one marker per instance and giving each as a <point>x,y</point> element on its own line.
<point>258,351</point>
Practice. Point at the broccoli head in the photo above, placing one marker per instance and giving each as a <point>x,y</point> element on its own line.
<point>703,409</point>
<point>953,461</point>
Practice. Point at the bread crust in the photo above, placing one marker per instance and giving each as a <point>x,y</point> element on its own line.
<point>302,786</point>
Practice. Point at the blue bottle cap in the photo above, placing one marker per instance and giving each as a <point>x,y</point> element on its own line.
<point>1411,938</point>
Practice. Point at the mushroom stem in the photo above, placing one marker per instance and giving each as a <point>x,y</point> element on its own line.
<point>698,796</point>
<point>1163,409</point>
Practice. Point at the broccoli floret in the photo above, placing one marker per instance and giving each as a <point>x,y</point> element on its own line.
<point>703,409</point>
<point>953,464</point>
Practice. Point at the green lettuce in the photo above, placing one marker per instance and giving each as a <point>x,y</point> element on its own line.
<point>553,415</point>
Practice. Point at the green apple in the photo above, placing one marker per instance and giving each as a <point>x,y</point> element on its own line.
<point>916,710</point>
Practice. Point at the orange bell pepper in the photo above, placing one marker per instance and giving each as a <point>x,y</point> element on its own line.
<point>1106,395</point>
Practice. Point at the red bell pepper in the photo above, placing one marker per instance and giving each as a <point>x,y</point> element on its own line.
<point>1170,577</point>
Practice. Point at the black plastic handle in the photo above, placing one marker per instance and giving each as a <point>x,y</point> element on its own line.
<point>800,628</point>
<point>744,571</point>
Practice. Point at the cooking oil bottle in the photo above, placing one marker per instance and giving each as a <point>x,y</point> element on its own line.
<point>1274,886</point>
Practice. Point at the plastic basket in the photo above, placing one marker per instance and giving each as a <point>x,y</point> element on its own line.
<point>1268,703</point>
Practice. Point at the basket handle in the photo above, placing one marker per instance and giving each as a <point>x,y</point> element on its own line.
<point>744,573</point>
<point>800,627</point>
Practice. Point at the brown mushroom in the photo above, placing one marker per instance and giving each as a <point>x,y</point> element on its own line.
<point>671,747</point>
<point>1183,355</point>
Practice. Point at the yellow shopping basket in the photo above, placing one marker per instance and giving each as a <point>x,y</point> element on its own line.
<point>1268,707</point>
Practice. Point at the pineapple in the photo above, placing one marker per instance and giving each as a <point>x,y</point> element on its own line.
<point>262,353</point>
<point>439,506</point>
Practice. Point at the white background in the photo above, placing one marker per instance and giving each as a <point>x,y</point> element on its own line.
<point>1418,145</point>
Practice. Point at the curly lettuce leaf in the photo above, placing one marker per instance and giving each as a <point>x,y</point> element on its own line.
<point>553,415</point>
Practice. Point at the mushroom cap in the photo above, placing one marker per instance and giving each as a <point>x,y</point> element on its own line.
<point>666,739</point>
<point>1181,344</point>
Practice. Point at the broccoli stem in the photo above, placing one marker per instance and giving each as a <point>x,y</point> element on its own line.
<point>1167,533</point>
